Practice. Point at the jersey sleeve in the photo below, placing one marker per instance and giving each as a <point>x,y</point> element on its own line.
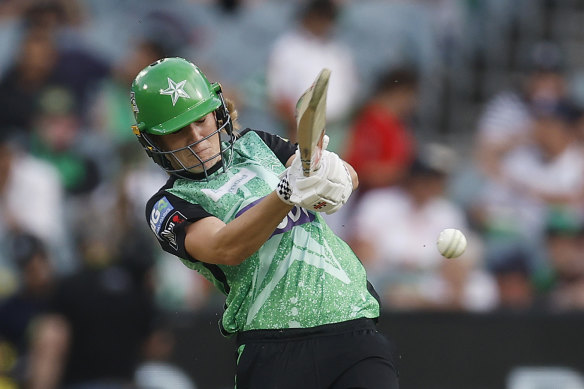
<point>168,217</point>
<point>282,148</point>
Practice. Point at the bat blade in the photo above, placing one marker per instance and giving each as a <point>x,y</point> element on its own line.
<point>311,122</point>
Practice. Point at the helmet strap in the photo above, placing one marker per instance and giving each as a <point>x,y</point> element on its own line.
<point>222,114</point>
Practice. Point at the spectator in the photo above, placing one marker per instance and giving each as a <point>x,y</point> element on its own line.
<point>506,119</point>
<point>18,312</point>
<point>381,145</point>
<point>516,289</point>
<point>43,59</point>
<point>526,158</point>
<point>77,67</point>
<point>97,322</point>
<point>564,240</point>
<point>32,71</point>
<point>549,171</point>
<point>157,371</point>
<point>58,139</point>
<point>51,15</point>
<point>505,124</point>
<point>23,178</point>
<point>298,56</point>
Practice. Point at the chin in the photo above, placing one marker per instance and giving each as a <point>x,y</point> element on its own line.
<point>208,165</point>
<point>196,170</point>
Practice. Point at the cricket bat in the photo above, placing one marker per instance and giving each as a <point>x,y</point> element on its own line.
<point>311,122</point>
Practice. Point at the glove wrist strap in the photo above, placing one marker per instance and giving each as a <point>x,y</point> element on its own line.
<point>284,190</point>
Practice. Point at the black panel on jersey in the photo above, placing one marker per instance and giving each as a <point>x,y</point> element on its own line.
<point>282,148</point>
<point>219,276</point>
<point>373,293</point>
<point>168,217</point>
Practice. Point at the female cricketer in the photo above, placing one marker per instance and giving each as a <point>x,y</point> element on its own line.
<point>236,209</point>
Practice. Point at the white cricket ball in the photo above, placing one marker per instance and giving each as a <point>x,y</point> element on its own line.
<point>451,243</point>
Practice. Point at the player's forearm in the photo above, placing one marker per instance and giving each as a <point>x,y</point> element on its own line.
<point>235,241</point>
<point>255,226</point>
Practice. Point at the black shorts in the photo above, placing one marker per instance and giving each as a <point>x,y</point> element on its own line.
<point>351,354</point>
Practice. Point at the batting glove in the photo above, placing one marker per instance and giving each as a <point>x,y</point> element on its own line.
<point>326,190</point>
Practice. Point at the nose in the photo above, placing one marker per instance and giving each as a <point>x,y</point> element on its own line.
<point>195,131</point>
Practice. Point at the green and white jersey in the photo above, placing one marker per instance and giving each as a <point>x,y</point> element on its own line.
<point>302,276</point>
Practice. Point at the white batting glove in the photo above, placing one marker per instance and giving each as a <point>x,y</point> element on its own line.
<point>327,190</point>
<point>289,176</point>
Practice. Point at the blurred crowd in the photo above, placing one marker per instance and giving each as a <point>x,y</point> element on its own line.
<point>81,273</point>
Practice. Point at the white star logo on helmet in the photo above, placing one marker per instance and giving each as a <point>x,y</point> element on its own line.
<point>175,90</point>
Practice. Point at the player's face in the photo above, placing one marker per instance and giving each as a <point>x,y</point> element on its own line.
<point>194,140</point>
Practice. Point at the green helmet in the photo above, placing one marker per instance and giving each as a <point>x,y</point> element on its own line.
<point>168,95</point>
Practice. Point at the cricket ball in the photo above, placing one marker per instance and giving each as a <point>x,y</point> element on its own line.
<point>451,243</point>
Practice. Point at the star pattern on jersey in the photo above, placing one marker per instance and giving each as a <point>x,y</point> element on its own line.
<point>175,90</point>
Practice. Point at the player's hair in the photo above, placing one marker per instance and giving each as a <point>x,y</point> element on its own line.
<point>230,105</point>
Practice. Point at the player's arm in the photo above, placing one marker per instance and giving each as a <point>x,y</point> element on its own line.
<point>210,240</point>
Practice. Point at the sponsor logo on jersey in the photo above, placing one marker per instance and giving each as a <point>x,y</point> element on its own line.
<point>168,233</point>
<point>297,216</point>
<point>160,210</point>
<point>232,186</point>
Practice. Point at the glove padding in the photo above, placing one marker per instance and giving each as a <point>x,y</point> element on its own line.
<point>326,190</point>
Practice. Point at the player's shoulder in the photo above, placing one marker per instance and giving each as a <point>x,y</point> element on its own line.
<point>266,136</point>
<point>167,214</point>
<point>159,194</point>
<point>162,204</point>
<point>275,142</point>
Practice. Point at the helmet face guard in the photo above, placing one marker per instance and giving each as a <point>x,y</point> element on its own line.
<point>165,158</point>
<point>169,95</point>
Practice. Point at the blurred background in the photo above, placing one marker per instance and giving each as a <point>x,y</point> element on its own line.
<point>460,114</point>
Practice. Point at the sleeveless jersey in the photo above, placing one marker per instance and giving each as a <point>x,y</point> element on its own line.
<point>302,276</point>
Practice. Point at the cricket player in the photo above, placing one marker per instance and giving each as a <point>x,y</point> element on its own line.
<point>235,209</point>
